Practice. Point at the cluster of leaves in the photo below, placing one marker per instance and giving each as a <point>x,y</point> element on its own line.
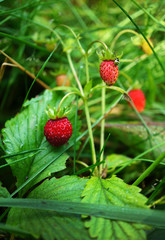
<point>37,161</point>
<point>45,160</point>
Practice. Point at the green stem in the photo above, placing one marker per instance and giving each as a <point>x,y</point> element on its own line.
<point>86,67</point>
<point>82,163</point>
<point>121,33</point>
<point>67,95</point>
<point>102,129</point>
<point>75,136</point>
<point>76,37</point>
<point>149,169</point>
<point>143,122</point>
<point>96,41</point>
<point>74,73</point>
<point>86,112</point>
<point>149,133</point>
<point>90,135</point>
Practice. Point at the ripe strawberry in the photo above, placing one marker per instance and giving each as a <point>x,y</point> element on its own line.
<point>109,72</point>
<point>138,99</point>
<point>58,131</point>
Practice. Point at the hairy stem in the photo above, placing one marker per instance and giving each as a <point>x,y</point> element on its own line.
<point>121,33</point>
<point>90,135</point>
<point>86,67</point>
<point>96,41</point>
<point>86,112</point>
<point>102,128</point>
<point>63,99</point>
<point>74,73</point>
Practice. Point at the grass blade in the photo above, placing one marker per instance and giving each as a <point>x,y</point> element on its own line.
<point>144,216</point>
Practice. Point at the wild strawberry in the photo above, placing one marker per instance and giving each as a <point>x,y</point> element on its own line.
<point>109,70</point>
<point>58,131</point>
<point>138,99</point>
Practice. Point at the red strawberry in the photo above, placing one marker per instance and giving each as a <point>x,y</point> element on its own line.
<point>58,131</point>
<point>138,99</point>
<point>109,71</point>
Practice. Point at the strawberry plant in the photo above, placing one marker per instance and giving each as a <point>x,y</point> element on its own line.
<point>76,161</point>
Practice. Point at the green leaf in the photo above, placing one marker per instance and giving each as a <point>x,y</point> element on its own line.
<point>113,191</point>
<point>138,137</point>
<point>52,225</point>
<point>26,132</point>
<point>116,160</point>
<point>11,229</point>
<point>3,192</point>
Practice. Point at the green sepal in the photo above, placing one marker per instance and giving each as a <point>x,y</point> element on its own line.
<point>51,112</point>
<point>63,112</point>
<point>108,55</point>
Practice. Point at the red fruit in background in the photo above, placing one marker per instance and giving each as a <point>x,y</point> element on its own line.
<point>62,80</point>
<point>109,71</point>
<point>138,99</point>
<point>58,131</point>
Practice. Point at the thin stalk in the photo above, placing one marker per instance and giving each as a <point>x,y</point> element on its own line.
<point>76,37</point>
<point>67,95</point>
<point>142,120</point>
<point>149,133</point>
<point>74,73</point>
<point>86,67</point>
<point>86,111</point>
<point>75,136</point>
<point>149,169</point>
<point>90,135</point>
<point>82,163</point>
<point>96,41</point>
<point>102,128</point>
<point>121,33</point>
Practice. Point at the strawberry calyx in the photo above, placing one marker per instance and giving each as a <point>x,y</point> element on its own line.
<point>108,55</point>
<point>54,113</point>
